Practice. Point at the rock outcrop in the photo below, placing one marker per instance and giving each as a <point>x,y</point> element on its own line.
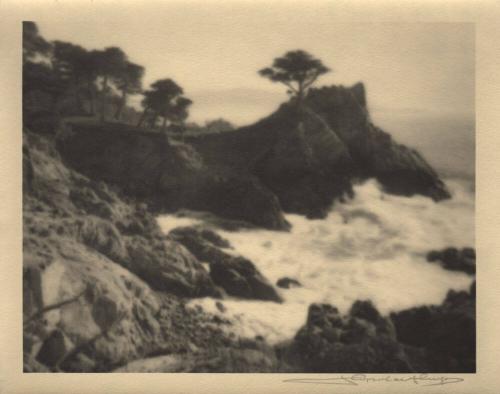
<point>68,207</point>
<point>298,162</point>
<point>362,341</point>
<point>445,334</point>
<point>169,175</point>
<point>311,159</point>
<point>399,169</point>
<point>424,339</point>
<point>455,260</point>
<point>237,275</point>
<point>102,285</point>
<point>288,283</point>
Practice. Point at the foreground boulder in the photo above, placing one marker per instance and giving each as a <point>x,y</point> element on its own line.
<point>447,333</point>
<point>237,275</point>
<point>362,341</point>
<point>98,299</point>
<point>426,339</point>
<point>240,278</point>
<point>288,283</point>
<point>455,260</point>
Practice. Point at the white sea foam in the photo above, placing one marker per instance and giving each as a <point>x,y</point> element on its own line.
<point>372,247</point>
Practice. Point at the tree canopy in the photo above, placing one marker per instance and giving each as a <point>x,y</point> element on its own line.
<point>165,99</point>
<point>33,43</point>
<point>297,70</point>
<point>129,81</point>
<point>74,77</point>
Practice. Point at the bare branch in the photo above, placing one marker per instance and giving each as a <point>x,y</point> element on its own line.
<point>48,308</point>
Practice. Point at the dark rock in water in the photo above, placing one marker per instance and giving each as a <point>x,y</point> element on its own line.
<point>236,275</point>
<point>366,310</point>
<point>167,266</point>
<point>469,252</point>
<point>333,343</point>
<point>220,306</point>
<point>287,283</point>
<point>455,260</point>
<point>424,339</point>
<point>323,315</point>
<point>240,197</point>
<point>447,332</point>
<point>54,348</point>
<point>195,235</point>
<point>239,277</point>
<point>201,247</point>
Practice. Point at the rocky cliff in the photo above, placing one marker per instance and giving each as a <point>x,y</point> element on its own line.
<point>102,285</point>
<point>400,169</point>
<point>292,162</point>
<point>168,175</point>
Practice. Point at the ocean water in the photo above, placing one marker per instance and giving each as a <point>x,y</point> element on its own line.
<point>372,247</point>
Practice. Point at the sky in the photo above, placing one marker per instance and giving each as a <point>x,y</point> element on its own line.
<point>419,77</point>
<point>214,53</point>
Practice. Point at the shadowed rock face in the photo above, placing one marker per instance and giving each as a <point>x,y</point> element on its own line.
<point>298,162</point>
<point>362,341</point>
<point>400,170</point>
<point>102,285</point>
<point>455,260</point>
<point>169,176</point>
<point>423,339</point>
<point>447,333</point>
<point>235,274</point>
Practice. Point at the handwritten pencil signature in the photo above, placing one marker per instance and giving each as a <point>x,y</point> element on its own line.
<point>357,379</point>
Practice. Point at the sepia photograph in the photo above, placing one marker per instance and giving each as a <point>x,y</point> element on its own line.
<point>217,191</point>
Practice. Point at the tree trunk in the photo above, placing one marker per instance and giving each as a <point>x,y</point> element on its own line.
<point>121,105</point>
<point>152,124</point>
<point>103,97</point>
<point>91,97</point>
<point>143,116</point>
<point>78,98</point>
<point>300,97</point>
<point>164,125</point>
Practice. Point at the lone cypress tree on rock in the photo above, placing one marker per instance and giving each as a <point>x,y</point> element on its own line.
<point>297,70</point>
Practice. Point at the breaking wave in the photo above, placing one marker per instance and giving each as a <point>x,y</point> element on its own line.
<point>372,247</point>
